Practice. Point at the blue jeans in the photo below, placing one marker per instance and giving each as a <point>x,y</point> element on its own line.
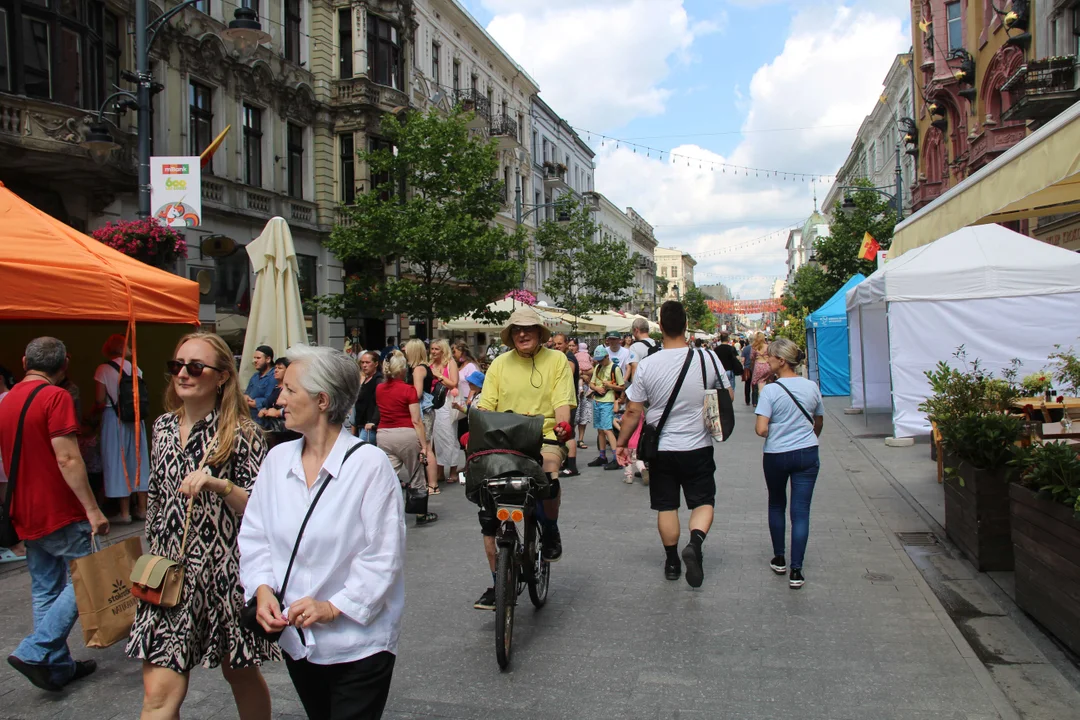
<point>53,598</point>
<point>367,436</point>
<point>802,467</point>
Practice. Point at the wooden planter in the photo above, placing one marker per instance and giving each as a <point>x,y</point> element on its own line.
<point>1046,541</point>
<point>977,515</point>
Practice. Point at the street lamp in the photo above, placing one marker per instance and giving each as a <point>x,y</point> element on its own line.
<point>848,206</point>
<point>243,36</point>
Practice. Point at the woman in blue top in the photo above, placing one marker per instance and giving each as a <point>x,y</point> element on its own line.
<point>789,417</point>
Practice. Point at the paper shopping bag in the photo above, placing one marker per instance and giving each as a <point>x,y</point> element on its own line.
<point>103,592</point>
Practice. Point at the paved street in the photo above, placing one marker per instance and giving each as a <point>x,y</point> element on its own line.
<point>863,639</point>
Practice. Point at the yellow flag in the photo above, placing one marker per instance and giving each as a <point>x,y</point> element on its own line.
<point>905,59</point>
<point>884,98</point>
<point>208,153</point>
<point>924,26</point>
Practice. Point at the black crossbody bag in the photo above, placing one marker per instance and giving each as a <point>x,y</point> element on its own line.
<point>649,443</point>
<point>8,536</point>
<point>797,403</point>
<point>249,613</point>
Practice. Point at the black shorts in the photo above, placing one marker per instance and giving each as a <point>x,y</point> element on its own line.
<point>693,471</point>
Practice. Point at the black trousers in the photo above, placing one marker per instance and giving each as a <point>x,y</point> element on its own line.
<point>346,691</point>
<point>748,389</point>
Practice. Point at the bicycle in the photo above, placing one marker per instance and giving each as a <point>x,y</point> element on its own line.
<point>518,561</point>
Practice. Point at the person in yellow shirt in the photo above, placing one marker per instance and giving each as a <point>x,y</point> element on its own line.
<point>606,378</point>
<point>530,380</point>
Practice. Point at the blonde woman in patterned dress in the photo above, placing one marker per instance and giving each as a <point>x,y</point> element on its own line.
<point>207,415</point>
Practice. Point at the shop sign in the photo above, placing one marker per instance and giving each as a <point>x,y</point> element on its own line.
<point>176,191</point>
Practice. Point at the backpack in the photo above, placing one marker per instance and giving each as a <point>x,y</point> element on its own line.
<point>124,404</point>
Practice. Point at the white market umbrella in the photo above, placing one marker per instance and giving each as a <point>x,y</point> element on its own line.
<point>277,314</point>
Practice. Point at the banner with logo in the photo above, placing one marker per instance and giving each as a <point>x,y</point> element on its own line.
<point>176,191</point>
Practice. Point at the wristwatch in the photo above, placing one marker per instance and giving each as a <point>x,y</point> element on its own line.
<point>228,489</point>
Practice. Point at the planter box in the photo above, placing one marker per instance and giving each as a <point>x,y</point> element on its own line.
<point>977,515</point>
<point>1046,541</point>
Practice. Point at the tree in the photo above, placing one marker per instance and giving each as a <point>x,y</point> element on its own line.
<point>791,324</point>
<point>431,205</point>
<point>810,287</point>
<point>838,253</point>
<point>590,273</point>
<point>698,314</point>
<point>662,285</point>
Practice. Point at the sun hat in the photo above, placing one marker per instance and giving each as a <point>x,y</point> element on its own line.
<point>475,378</point>
<point>524,316</point>
<point>599,353</point>
<point>583,347</point>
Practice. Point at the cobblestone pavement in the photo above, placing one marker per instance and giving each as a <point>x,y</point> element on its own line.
<point>864,638</point>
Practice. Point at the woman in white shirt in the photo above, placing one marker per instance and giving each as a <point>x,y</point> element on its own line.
<point>789,417</point>
<point>122,475</point>
<point>345,595</point>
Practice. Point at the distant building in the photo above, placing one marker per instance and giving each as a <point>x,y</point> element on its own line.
<point>718,291</point>
<point>642,246</point>
<point>678,267</point>
<point>778,288</point>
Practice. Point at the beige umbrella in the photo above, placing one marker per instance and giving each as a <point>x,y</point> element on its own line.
<point>277,314</point>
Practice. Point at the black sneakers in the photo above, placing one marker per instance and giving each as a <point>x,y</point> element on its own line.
<point>83,668</point>
<point>613,465</point>
<point>796,580</point>
<point>691,557</point>
<point>38,675</point>
<point>672,571</point>
<point>778,565</point>
<point>552,544</point>
<point>486,601</point>
<point>599,461</point>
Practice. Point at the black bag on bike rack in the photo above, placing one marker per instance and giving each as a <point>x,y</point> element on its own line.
<point>502,443</point>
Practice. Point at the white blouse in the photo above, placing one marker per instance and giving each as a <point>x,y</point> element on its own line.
<point>352,552</point>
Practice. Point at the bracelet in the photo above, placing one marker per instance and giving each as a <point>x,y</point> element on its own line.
<point>228,489</point>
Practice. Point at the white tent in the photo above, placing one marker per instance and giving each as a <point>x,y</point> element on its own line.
<point>1000,294</point>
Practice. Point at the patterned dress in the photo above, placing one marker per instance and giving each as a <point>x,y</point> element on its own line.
<point>203,628</point>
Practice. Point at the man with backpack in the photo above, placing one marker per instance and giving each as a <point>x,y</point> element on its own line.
<point>641,347</point>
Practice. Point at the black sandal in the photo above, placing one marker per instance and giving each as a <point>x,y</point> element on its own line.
<point>434,490</point>
<point>426,519</point>
<point>582,446</point>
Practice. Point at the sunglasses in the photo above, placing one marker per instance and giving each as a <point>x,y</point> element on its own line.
<point>194,369</point>
<point>515,329</point>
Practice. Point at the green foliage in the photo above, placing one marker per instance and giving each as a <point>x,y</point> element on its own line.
<point>838,253</point>
<point>1066,368</point>
<point>971,390</point>
<point>985,440</point>
<point>810,287</point>
<point>662,285</point>
<point>590,273</point>
<point>795,329</point>
<point>1038,383</point>
<point>454,260</point>
<point>1051,469</point>
<point>698,314</point>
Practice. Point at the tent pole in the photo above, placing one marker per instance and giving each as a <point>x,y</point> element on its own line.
<point>888,349</point>
<point>862,357</point>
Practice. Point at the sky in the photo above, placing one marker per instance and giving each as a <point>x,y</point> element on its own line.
<point>778,85</point>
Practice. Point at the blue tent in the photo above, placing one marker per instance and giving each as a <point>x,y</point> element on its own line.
<point>827,343</point>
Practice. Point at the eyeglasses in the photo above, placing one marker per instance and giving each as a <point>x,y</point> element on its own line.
<point>515,329</point>
<point>194,368</point>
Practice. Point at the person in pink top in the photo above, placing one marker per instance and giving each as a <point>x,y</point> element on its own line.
<point>584,405</point>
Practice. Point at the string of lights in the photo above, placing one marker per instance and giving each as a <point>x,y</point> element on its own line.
<point>723,167</point>
<point>745,244</point>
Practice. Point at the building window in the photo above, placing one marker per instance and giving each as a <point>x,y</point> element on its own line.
<point>345,50</point>
<point>491,99</point>
<point>295,146</point>
<point>200,119</point>
<point>474,82</point>
<point>956,34</point>
<point>435,62</point>
<point>385,64</point>
<point>348,169</point>
<point>253,146</point>
<point>379,181</point>
<point>506,184</point>
<point>64,52</point>
<point>457,76</point>
<point>871,159</point>
<point>674,271</point>
<point>292,31</point>
<point>203,6</point>
<point>307,282</point>
<point>1076,31</point>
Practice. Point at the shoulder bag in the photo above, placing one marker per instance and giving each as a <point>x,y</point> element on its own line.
<point>159,580</point>
<point>249,613</point>
<point>649,443</point>
<point>797,403</point>
<point>719,412</point>
<point>8,536</point>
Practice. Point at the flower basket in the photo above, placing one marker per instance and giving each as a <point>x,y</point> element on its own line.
<point>145,240</point>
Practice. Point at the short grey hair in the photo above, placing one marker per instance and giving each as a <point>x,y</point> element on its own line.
<point>46,354</point>
<point>330,371</point>
<point>640,324</point>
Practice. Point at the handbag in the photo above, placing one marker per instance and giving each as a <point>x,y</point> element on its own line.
<point>719,419</point>
<point>649,442</point>
<point>8,535</point>
<point>797,403</point>
<point>416,501</point>
<point>159,580</point>
<point>249,613</point>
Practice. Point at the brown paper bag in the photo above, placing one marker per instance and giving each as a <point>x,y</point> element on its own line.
<point>102,583</point>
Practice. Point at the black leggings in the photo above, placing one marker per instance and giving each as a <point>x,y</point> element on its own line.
<point>750,389</point>
<point>346,691</point>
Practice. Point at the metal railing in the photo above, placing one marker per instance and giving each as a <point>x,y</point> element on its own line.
<point>473,101</point>
<point>506,126</point>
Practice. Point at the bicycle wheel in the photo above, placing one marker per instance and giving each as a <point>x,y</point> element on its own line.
<point>541,573</point>
<point>505,598</point>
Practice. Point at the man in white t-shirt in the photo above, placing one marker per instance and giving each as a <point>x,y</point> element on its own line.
<point>686,460</point>
<point>620,356</point>
<point>639,349</point>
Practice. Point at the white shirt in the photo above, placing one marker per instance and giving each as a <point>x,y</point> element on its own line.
<point>107,375</point>
<point>655,379</point>
<point>623,356</point>
<point>352,552</point>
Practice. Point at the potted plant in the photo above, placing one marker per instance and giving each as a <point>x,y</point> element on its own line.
<point>969,408</point>
<point>1036,384</point>
<point>145,240</point>
<point>1066,369</point>
<point>1045,521</point>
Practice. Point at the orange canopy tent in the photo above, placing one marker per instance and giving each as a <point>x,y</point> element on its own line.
<point>57,281</point>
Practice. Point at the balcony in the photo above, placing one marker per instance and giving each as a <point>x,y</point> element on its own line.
<point>472,101</point>
<point>505,129</point>
<point>224,196</point>
<point>1042,89</point>
<point>555,177</point>
<point>362,91</point>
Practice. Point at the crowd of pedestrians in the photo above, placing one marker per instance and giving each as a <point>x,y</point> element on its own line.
<point>231,484</point>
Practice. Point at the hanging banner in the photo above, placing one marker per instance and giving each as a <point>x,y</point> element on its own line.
<point>745,307</point>
<point>176,191</point>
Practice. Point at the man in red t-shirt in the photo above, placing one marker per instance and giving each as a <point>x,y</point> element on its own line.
<point>53,510</point>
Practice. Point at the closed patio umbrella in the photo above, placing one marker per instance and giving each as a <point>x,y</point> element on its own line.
<point>277,314</point>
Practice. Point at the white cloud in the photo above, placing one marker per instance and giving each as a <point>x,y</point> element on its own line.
<point>602,63</point>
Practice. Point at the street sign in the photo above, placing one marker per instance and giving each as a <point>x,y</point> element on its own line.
<point>176,191</point>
